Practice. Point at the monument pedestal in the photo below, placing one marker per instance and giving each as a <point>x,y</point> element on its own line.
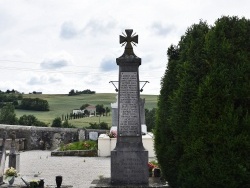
<point>129,167</point>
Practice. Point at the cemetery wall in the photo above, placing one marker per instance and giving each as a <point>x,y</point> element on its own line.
<point>42,138</point>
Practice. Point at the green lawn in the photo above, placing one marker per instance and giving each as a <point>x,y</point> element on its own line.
<point>64,104</point>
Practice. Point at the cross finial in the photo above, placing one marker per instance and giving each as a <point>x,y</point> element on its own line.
<point>128,39</point>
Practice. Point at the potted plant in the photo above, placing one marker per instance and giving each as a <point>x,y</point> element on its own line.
<point>154,170</point>
<point>151,166</point>
<point>10,175</point>
<point>34,183</point>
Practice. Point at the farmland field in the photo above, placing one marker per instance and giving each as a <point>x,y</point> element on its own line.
<point>64,104</point>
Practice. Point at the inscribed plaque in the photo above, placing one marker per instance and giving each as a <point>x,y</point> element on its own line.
<point>129,122</point>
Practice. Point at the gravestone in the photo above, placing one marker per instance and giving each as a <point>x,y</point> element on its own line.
<point>14,156</point>
<point>129,159</point>
<point>93,135</point>
<point>2,157</point>
<point>81,135</point>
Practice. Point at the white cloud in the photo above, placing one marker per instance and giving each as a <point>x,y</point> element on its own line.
<point>57,61</point>
<point>43,79</point>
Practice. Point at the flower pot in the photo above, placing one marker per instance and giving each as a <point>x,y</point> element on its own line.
<point>58,181</point>
<point>33,184</point>
<point>11,180</point>
<point>157,172</point>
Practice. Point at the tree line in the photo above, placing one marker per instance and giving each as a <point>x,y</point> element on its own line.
<point>19,102</point>
<point>76,92</point>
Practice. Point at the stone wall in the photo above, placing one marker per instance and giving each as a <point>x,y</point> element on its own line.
<point>41,138</point>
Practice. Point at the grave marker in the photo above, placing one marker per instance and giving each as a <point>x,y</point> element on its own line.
<point>2,157</point>
<point>14,157</point>
<point>129,159</point>
<point>93,135</point>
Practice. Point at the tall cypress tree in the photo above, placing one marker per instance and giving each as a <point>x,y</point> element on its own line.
<point>202,117</point>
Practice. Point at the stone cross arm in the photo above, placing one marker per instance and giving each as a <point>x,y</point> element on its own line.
<point>129,38</point>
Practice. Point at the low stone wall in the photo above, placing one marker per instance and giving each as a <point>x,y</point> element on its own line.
<point>42,138</point>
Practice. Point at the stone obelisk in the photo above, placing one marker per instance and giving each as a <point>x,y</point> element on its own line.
<point>129,159</point>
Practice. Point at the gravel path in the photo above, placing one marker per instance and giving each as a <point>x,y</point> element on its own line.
<point>76,171</point>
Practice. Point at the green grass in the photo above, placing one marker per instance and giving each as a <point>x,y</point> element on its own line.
<point>64,104</point>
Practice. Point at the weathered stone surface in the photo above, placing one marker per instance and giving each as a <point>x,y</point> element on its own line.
<point>129,159</point>
<point>42,138</point>
<point>128,167</point>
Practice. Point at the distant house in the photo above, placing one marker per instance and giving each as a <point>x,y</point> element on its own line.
<point>92,110</point>
<point>78,111</point>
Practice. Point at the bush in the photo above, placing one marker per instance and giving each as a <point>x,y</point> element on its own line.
<point>57,122</point>
<point>101,125</point>
<point>34,104</point>
<point>31,120</point>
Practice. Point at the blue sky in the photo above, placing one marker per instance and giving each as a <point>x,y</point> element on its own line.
<point>55,46</point>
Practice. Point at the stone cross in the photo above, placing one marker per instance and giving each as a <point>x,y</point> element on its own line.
<point>14,156</point>
<point>129,159</point>
<point>128,40</point>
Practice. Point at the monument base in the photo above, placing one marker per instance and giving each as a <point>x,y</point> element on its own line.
<point>153,183</point>
<point>129,167</point>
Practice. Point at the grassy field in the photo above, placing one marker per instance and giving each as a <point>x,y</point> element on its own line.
<point>64,104</point>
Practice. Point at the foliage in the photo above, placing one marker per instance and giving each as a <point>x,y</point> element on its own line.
<point>7,115</point>
<point>107,111</point>
<point>31,120</point>
<point>34,104</point>
<point>100,109</point>
<point>202,123</point>
<point>66,124</point>
<point>10,97</point>
<point>102,125</point>
<point>57,122</point>
<point>150,118</point>
<point>84,106</point>
<point>86,91</point>
<point>82,145</point>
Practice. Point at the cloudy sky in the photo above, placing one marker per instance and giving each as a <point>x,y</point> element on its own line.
<point>54,46</point>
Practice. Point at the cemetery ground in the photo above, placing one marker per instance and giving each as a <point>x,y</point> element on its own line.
<point>76,171</point>
<point>80,172</point>
<point>63,104</point>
